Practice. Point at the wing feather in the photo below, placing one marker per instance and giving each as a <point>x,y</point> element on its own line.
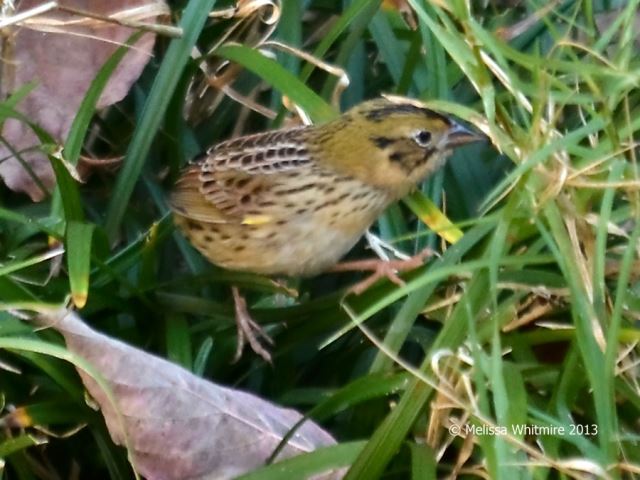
<point>231,182</point>
<point>187,200</point>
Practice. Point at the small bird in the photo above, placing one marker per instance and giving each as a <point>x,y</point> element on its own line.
<point>294,201</point>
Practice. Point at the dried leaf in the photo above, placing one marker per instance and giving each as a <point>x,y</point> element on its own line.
<point>61,53</point>
<point>178,425</point>
<point>605,19</point>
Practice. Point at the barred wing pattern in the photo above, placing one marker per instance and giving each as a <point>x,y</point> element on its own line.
<point>238,180</point>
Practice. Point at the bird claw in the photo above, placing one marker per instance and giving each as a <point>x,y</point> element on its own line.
<point>382,269</point>
<point>248,330</point>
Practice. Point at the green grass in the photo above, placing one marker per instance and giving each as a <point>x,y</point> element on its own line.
<point>528,318</point>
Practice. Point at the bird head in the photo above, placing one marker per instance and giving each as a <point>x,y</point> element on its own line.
<point>394,144</point>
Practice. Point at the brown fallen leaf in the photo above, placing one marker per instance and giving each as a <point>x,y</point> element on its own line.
<point>62,53</point>
<point>605,19</point>
<point>177,425</point>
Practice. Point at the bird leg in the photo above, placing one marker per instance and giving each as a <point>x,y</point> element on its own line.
<point>248,330</point>
<point>381,269</point>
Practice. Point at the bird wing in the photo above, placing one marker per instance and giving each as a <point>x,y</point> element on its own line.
<point>234,180</point>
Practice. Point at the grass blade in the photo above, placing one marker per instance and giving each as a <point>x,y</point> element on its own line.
<point>79,237</point>
<point>179,52</point>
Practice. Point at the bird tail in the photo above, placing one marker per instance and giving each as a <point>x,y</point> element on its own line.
<point>188,201</point>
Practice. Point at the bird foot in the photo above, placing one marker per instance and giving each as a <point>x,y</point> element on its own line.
<point>381,269</point>
<point>248,330</point>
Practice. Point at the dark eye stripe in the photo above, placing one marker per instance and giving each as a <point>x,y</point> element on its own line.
<point>408,166</point>
<point>397,157</point>
<point>382,142</point>
<point>428,153</point>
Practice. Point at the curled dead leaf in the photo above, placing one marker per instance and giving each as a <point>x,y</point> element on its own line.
<point>61,53</point>
<point>177,425</point>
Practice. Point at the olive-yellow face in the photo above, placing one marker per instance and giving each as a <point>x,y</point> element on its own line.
<point>393,145</point>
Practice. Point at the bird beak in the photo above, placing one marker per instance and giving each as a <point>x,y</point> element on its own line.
<point>459,135</point>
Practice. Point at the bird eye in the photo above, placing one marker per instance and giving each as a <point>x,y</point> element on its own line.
<point>422,137</point>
